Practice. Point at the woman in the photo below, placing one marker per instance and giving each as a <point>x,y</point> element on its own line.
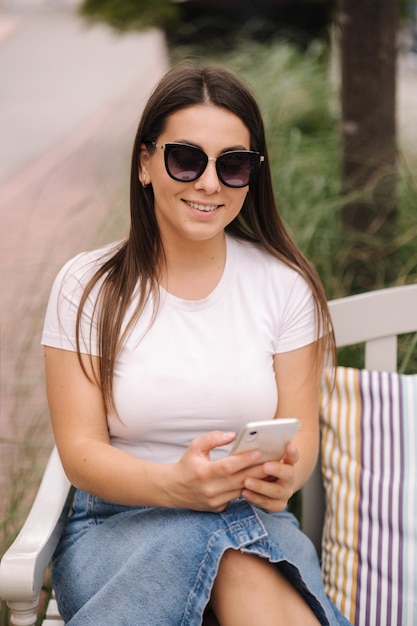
<point>158,350</point>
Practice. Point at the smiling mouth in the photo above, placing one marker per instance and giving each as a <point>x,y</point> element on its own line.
<point>203,207</point>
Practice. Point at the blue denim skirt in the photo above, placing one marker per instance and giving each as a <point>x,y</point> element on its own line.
<point>150,566</point>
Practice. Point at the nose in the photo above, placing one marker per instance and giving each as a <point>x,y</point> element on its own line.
<point>209,181</point>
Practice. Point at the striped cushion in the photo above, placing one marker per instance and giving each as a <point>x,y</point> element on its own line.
<point>369,445</point>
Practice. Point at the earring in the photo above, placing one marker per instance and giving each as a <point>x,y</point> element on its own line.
<point>144,185</point>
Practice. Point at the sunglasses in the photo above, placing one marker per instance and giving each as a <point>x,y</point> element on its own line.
<point>186,163</point>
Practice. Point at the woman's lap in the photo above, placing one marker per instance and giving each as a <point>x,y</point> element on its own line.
<point>157,566</point>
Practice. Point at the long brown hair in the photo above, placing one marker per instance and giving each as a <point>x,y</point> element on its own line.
<point>136,263</point>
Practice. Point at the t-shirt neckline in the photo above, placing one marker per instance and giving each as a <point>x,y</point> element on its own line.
<point>215,295</point>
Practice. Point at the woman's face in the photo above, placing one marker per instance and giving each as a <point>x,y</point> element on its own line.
<point>198,210</point>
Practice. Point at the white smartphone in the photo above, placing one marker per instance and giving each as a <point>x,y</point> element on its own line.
<point>269,437</point>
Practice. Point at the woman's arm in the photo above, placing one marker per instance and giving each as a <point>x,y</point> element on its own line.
<point>298,378</point>
<point>80,428</point>
<point>298,381</point>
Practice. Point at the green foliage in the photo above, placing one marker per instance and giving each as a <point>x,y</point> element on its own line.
<point>132,14</point>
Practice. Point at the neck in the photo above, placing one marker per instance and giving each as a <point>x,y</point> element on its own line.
<point>191,254</point>
<point>193,269</point>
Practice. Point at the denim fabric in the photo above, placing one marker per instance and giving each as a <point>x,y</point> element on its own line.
<point>148,566</point>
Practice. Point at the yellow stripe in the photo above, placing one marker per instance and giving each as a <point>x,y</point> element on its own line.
<point>341,573</point>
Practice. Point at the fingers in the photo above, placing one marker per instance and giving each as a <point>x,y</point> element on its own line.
<point>273,493</point>
<point>210,485</point>
<point>271,496</point>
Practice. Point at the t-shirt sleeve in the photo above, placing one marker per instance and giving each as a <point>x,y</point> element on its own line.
<point>298,323</point>
<point>59,329</point>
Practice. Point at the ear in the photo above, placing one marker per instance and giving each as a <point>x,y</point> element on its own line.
<point>143,172</point>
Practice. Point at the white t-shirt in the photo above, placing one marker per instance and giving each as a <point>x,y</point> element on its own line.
<point>202,365</point>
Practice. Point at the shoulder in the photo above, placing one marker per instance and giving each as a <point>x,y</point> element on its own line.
<point>71,281</point>
<point>275,292</point>
<point>81,268</point>
<point>60,322</point>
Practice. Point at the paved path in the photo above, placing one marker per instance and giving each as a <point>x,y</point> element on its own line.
<point>70,100</point>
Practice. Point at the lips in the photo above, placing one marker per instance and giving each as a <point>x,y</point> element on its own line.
<point>203,207</point>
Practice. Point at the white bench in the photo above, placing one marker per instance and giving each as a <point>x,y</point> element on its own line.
<point>374,318</point>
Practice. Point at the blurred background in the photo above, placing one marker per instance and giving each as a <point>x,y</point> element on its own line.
<point>337,86</point>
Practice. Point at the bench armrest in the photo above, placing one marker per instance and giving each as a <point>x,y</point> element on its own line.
<point>23,565</point>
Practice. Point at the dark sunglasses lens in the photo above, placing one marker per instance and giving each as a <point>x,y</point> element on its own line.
<point>184,163</point>
<point>236,168</point>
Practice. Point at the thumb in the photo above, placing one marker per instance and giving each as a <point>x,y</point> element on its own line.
<point>291,454</point>
<point>205,443</point>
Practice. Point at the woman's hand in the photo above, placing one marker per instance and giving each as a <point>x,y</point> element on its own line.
<point>272,494</point>
<point>205,485</point>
